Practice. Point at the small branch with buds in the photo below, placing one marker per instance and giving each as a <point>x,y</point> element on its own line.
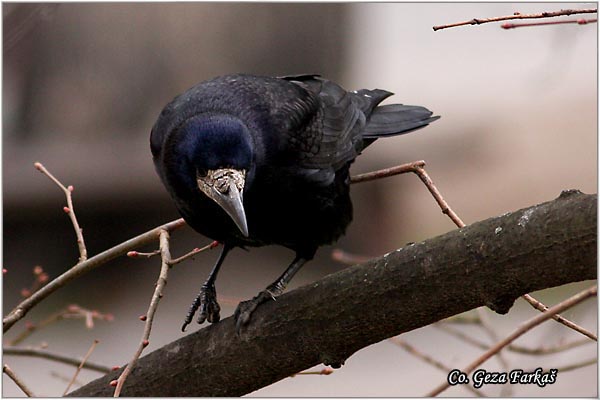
<point>192,253</point>
<point>69,209</point>
<point>84,267</point>
<point>149,317</point>
<point>72,311</point>
<point>479,21</point>
<point>41,353</point>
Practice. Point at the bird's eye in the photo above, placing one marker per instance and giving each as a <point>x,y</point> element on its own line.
<point>201,172</point>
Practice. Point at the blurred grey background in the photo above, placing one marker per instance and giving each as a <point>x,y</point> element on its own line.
<point>84,83</point>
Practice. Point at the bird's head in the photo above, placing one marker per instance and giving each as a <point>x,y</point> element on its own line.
<point>215,153</point>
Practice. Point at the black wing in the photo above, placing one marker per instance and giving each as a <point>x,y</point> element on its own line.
<point>332,121</point>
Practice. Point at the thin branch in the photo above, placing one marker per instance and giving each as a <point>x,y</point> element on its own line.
<point>6,369</point>
<point>387,172</point>
<point>538,305</point>
<point>69,210</point>
<point>462,336</point>
<point>71,311</point>
<point>479,21</point>
<point>577,365</point>
<point>136,254</point>
<point>486,324</point>
<point>515,348</point>
<point>438,197</point>
<point>156,296</point>
<point>324,371</point>
<point>417,168</point>
<point>80,366</point>
<point>82,268</point>
<point>431,361</point>
<point>65,378</point>
<point>192,253</point>
<point>569,21</point>
<point>39,353</point>
<point>536,351</point>
<point>524,328</point>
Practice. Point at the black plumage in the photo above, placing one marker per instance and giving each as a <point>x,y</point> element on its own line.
<point>253,161</point>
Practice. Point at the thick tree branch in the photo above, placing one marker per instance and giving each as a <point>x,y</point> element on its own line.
<point>492,262</point>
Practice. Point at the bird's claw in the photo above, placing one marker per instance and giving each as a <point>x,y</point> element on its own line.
<point>244,310</point>
<point>208,305</point>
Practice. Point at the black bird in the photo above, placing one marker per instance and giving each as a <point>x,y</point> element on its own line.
<point>252,161</point>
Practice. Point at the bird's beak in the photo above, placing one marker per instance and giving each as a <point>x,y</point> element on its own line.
<point>225,186</point>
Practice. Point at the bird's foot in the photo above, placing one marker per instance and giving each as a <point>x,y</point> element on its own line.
<point>206,301</point>
<point>244,310</point>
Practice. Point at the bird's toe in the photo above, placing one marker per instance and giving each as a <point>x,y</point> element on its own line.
<point>206,302</point>
<point>244,310</point>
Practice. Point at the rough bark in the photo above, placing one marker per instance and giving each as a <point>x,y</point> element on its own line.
<point>492,263</point>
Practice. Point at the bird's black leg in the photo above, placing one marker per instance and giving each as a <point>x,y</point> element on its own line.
<point>207,298</point>
<point>245,309</point>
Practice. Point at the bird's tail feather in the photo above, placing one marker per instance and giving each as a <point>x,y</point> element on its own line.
<point>396,119</point>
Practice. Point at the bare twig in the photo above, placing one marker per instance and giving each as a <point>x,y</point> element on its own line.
<point>72,311</point>
<point>536,351</point>
<point>69,210</point>
<point>80,366</point>
<point>569,21</point>
<point>479,21</point>
<point>538,305</point>
<point>505,390</point>
<point>387,172</point>
<point>324,371</point>
<point>524,328</point>
<point>417,168</point>
<point>192,253</point>
<point>515,348</point>
<point>84,267</point>
<point>462,336</point>
<point>577,365</point>
<point>431,361</point>
<point>157,295</point>
<point>420,171</point>
<point>40,353</point>
<point>6,369</point>
<point>344,257</point>
<point>136,254</point>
